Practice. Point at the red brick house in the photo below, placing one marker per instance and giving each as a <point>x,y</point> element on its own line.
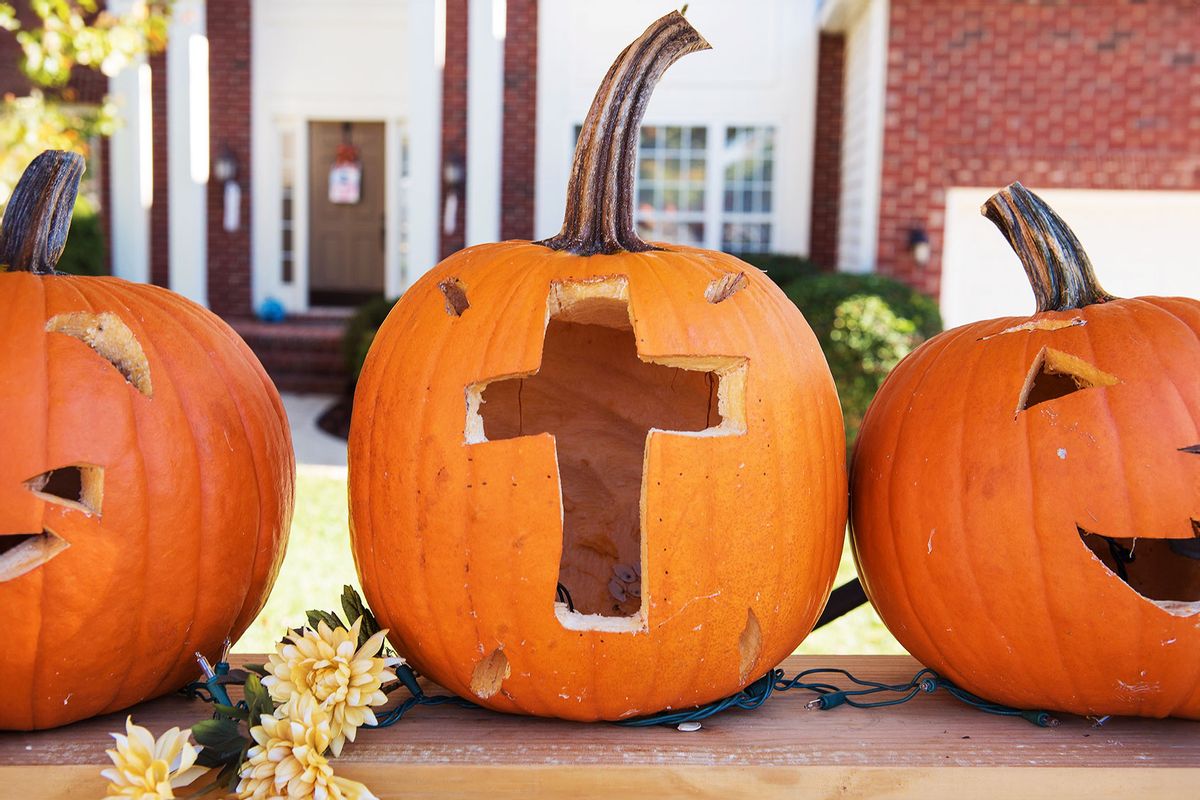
<point>839,129</point>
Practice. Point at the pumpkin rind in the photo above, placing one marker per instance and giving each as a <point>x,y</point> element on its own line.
<point>458,540</point>
<point>966,510</point>
<point>197,497</point>
<point>458,545</point>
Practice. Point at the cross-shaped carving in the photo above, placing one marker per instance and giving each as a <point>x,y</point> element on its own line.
<point>600,401</point>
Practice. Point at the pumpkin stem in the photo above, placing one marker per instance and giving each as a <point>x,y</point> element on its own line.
<point>1059,270</point>
<point>38,215</point>
<point>599,215</point>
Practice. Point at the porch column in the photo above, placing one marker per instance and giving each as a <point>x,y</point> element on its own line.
<point>485,94</point>
<point>188,133</point>
<point>131,160</point>
<point>228,234</point>
<point>425,54</point>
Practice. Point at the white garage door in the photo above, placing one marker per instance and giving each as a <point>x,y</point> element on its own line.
<point>1141,243</point>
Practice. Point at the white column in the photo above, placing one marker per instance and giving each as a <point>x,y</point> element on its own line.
<point>485,100</point>
<point>131,181</point>
<point>862,139</point>
<point>188,134</point>
<point>425,58</point>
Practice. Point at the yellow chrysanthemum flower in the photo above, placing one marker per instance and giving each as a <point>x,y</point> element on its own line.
<point>149,769</point>
<point>288,761</point>
<point>344,681</point>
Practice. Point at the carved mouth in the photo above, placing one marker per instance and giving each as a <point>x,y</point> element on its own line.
<point>22,552</point>
<point>1164,571</point>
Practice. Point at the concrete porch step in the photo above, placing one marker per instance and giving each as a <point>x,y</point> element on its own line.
<point>301,354</point>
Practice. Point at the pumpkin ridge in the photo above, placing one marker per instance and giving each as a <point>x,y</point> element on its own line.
<point>150,300</point>
<point>133,647</point>
<point>273,413</point>
<point>914,389</point>
<point>102,287</point>
<point>970,543</point>
<point>1048,603</point>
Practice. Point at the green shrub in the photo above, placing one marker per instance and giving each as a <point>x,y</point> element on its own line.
<point>360,332</point>
<point>85,250</point>
<point>782,269</point>
<point>865,324</point>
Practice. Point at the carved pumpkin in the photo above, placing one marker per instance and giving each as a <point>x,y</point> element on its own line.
<point>1026,492</point>
<point>592,477</point>
<point>146,483</point>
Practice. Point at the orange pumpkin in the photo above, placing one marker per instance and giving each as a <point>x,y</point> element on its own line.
<point>1026,492</point>
<point>146,484</point>
<point>648,433</point>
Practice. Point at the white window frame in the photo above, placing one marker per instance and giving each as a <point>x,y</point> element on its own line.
<point>714,179</point>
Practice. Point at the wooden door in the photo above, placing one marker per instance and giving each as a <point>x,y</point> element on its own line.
<point>345,240</point>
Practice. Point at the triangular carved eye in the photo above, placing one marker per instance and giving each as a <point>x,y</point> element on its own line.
<point>77,487</point>
<point>1193,449</point>
<point>1056,374</point>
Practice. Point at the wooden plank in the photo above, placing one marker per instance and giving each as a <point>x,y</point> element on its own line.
<point>933,746</point>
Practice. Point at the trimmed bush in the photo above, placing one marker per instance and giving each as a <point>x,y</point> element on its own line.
<point>85,251</point>
<point>865,324</point>
<point>360,332</point>
<point>782,269</point>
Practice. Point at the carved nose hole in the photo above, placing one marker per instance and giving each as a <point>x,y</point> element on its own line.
<point>78,487</point>
<point>1056,374</point>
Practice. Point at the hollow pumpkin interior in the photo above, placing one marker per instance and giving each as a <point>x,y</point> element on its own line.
<point>1164,571</point>
<point>600,401</point>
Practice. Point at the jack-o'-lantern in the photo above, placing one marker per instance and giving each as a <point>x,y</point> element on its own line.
<point>592,477</point>
<point>146,482</point>
<point>1026,492</point>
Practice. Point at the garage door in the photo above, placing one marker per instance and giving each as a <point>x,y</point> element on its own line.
<point>1141,243</point>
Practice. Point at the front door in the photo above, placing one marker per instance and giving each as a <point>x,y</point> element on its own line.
<point>346,238</point>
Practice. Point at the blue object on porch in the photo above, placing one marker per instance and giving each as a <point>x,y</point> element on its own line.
<point>271,310</point>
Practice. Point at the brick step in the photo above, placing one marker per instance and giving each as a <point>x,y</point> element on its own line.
<point>302,353</point>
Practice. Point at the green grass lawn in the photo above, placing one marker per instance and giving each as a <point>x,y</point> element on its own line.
<point>319,564</point>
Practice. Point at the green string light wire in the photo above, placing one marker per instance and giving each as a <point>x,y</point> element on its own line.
<point>829,696</point>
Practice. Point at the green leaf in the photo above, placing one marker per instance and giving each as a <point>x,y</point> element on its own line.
<point>258,669</point>
<point>227,778</point>
<point>356,608</point>
<point>232,712</point>
<point>220,734</point>
<point>317,617</point>
<point>258,700</point>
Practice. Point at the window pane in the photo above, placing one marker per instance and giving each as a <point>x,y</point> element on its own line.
<point>748,190</point>
<point>672,172</point>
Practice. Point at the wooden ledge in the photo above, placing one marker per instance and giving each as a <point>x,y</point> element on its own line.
<point>932,747</point>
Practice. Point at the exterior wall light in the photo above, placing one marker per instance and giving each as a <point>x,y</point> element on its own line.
<point>918,245</point>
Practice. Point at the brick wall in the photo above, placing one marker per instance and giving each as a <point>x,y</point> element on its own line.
<point>1101,94</point>
<point>520,121</point>
<point>454,123</point>
<point>229,124</point>
<point>827,154</point>
<point>160,230</point>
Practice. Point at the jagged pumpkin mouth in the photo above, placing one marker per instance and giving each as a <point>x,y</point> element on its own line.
<point>24,552</point>
<point>1164,571</point>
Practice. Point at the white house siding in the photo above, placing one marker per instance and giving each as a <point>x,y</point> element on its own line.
<point>761,72</point>
<point>865,26</point>
<point>1140,242</point>
<point>357,61</point>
